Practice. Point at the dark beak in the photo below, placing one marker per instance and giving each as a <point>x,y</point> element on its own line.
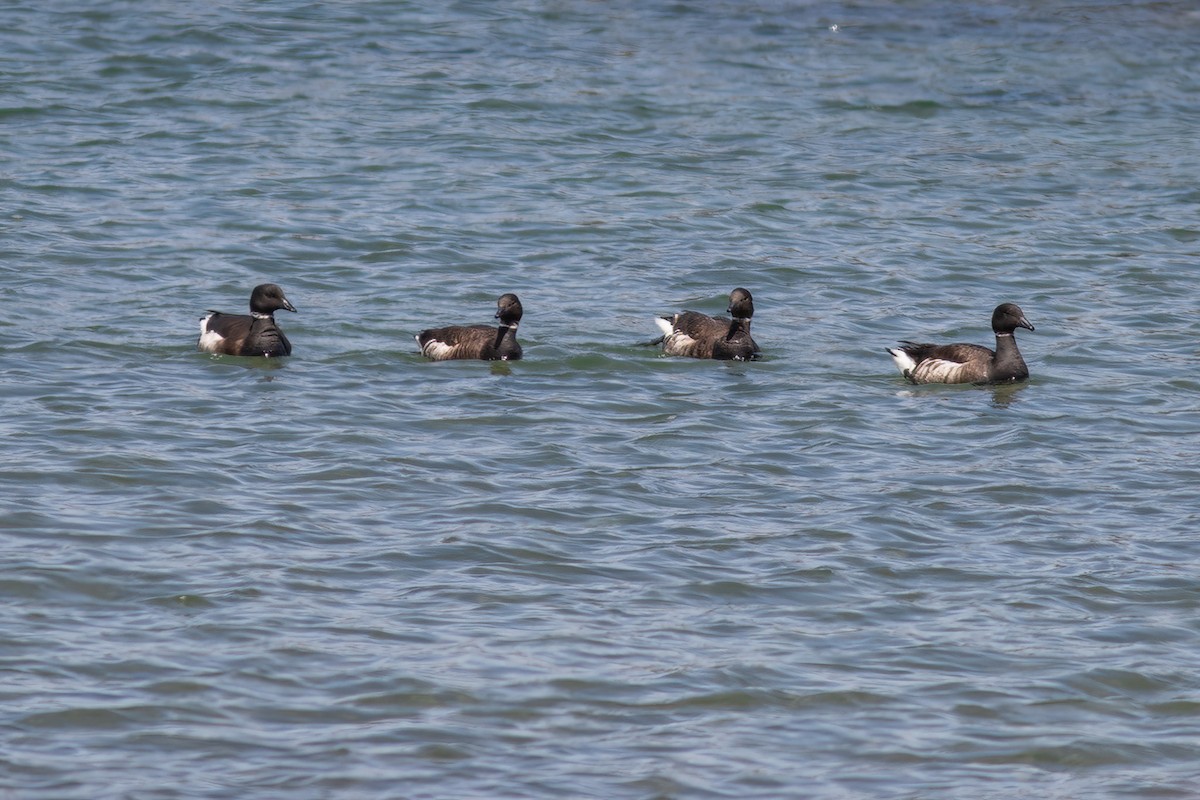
<point>1024,323</point>
<point>287,305</point>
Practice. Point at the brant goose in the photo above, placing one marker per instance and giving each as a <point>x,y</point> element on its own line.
<point>968,363</point>
<point>697,335</point>
<point>481,342</point>
<point>253,334</point>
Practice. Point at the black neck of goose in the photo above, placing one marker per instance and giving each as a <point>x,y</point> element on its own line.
<point>1008,364</point>
<point>737,325</point>
<point>501,331</point>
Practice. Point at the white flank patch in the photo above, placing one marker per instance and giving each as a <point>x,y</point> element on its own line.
<point>678,344</point>
<point>210,341</point>
<point>438,351</point>
<point>903,360</point>
<point>674,342</point>
<point>939,370</point>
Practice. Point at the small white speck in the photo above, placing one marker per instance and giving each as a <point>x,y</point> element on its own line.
<point>835,27</point>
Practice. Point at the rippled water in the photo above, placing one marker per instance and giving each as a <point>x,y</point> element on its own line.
<point>599,572</point>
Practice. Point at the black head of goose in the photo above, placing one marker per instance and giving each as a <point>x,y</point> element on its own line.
<point>968,363</point>
<point>253,334</point>
<point>695,335</point>
<point>479,342</point>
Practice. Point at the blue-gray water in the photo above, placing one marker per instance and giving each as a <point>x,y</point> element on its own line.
<point>598,572</point>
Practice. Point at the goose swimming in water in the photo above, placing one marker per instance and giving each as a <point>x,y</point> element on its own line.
<point>480,342</point>
<point>968,363</point>
<point>696,335</point>
<point>253,334</point>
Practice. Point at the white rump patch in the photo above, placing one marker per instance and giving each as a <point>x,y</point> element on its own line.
<point>210,341</point>
<point>665,325</point>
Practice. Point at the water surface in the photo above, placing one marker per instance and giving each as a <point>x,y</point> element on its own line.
<point>598,572</point>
